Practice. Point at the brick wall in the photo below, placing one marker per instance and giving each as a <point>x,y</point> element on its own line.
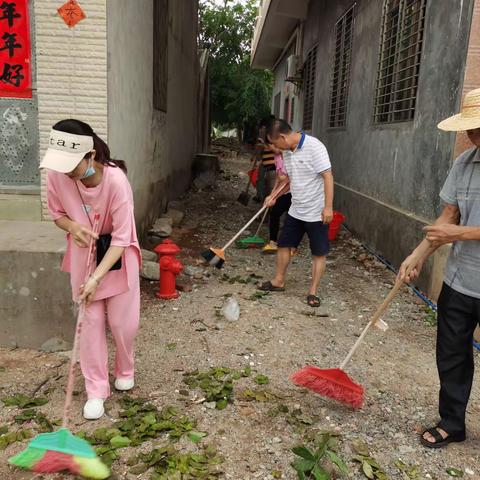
<point>71,69</point>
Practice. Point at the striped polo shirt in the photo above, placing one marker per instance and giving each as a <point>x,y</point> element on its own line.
<point>304,167</point>
<point>462,188</point>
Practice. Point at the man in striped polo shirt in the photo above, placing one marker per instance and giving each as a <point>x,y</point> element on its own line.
<point>311,183</point>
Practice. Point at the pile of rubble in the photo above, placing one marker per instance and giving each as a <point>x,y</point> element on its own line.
<point>226,147</point>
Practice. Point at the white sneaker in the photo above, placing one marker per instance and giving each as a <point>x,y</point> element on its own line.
<point>93,409</point>
<point>124,384</point>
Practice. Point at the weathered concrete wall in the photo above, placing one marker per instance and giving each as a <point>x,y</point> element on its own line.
<point>389,176</point>
<point>36,300</point>
<point>136,129</point>
<point>71,70</point>
<point>157,146</point>
<point>183,80</point>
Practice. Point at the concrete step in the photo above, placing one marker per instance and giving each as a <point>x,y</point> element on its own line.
<point>35,296</point>
<point>20,204</point>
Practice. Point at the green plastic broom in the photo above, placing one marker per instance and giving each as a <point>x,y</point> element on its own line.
<point>254,241</point>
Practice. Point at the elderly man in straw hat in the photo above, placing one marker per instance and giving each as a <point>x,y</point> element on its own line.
<point>459,301</point>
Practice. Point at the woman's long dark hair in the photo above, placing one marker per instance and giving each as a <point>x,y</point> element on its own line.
<point>102,156</point>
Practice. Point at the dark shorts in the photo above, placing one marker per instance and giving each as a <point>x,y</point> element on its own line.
<point>293,231</point>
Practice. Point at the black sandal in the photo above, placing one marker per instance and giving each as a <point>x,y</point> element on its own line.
<point>268,287</point>
<point>440,442</point>
<point>313,301</point>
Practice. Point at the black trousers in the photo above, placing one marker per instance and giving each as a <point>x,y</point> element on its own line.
<point>281,206</point>
<point>458,315</point>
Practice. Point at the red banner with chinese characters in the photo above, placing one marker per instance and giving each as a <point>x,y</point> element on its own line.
<point>15,52</point>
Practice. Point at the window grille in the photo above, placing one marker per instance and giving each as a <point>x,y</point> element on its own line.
<point>399,61</point>
<point>341,69</point>
<point>309,71</point>
<point>292,110</point>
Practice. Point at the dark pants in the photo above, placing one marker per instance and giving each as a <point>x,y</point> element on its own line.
<point>458,315</point>
<point>265,181</point>
<point>281,206</point>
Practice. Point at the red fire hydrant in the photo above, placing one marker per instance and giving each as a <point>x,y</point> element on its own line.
<point>170,267</point>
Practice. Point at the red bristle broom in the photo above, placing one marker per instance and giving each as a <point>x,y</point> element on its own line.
<point>334,383</point>
<point>61,450</point>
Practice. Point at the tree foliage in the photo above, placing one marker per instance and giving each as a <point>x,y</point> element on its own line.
<point>239,94</point>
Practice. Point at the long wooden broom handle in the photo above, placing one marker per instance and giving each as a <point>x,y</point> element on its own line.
<point>261,222</point>
<point>78,329</point>
<point>381,309</point>
<point>281,189</point>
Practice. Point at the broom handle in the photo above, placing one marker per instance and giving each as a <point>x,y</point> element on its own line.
<point>381,309</point>
<point>261,223</point>
<point>78,329</point>
<point>243,228</point>
<point>274,194</point>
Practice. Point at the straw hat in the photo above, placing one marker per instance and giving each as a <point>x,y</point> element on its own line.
<point>469,118</point>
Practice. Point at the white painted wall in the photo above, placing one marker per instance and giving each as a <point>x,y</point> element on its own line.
<point>71,69</point>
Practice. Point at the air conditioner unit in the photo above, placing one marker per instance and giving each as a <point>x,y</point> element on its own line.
<point>293,64</point>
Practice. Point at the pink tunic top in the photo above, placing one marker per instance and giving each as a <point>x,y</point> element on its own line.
<point>280,167</point>
<point>113,200</point>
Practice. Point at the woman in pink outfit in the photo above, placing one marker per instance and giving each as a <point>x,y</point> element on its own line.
<point>83,181</point>
<point>281,205</point>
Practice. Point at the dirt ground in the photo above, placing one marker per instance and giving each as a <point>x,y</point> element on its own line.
<point>275,335</point>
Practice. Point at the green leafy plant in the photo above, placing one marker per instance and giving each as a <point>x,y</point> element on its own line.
<point>262,380</point>
<point>454,472</point>
<point>258,295</point>
<point>43,423</point>
<point>168,463</point>
<point>139,422</point>
<point>409,472</point>
<point>297,418</point>
<point>368,465</point>
<point>310,464</point>
<point>216,383</point>
<point>197,437</point>
<point>7,438</point>
<point>430,316</point>
<point>23,401</point>
<point>250,395</point>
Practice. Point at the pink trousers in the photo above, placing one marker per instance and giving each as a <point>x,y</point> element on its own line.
<point>123,314</point>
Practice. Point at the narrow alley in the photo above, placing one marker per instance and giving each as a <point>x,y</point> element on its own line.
<point>137,137</point>
<point>276,334</point>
